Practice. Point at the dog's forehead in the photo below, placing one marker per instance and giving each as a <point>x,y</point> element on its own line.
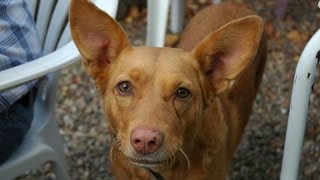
<point>155,59</point>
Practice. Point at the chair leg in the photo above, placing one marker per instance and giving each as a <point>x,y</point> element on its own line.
<point>55,142</point>
<point>302,87</point>
<point>60,171</point>
<point>157,13</point>
<point>177,15</point>
<point>216,1</point>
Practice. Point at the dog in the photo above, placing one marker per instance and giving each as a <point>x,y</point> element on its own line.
<point>174,113</point>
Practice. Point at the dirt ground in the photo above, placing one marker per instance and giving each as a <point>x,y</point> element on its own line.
<point>81,120</point>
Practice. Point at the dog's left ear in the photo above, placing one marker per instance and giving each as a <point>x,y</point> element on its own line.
<point>225,53</point>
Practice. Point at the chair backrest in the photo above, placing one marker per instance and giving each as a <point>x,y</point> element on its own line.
<point>52,22</point>
<point>51,17</point>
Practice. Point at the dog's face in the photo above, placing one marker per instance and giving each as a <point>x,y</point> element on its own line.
<point>155,97</point>
<point>151,100</point>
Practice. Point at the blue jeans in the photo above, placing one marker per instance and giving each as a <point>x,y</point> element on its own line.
<point>14,124</point>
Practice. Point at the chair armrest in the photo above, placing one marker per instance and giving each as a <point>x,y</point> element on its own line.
<point>306,71</point>
<point>54,61</point>
<point>37,68</point>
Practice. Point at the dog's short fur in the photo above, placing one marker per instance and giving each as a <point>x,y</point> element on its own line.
<point>174,112</point>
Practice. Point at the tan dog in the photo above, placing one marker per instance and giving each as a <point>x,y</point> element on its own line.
<point>175,113</point>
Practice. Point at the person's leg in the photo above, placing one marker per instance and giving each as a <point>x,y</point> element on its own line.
<point>14,124</point>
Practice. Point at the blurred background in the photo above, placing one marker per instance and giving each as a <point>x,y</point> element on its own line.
<point>82,123</point>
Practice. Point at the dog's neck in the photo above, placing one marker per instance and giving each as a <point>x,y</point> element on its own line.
<point>208,137</point>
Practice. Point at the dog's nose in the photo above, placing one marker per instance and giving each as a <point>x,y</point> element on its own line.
<point>146,140</point>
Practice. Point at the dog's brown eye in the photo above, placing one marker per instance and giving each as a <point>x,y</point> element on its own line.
<point>124,88</point>
<point>183,93</point>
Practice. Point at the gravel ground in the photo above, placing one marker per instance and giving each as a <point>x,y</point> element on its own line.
<point>81,120</point>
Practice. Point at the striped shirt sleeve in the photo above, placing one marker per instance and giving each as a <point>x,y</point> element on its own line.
<point>19,44</point>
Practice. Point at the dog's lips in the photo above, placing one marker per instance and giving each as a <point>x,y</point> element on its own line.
<point>145,162</point>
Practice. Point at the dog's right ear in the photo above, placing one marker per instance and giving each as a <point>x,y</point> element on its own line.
<point>97,36</point>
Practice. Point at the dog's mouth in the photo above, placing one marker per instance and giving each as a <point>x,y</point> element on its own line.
<point>146,162</point>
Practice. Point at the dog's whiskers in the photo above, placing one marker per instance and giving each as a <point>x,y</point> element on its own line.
<point>118,149</point>
<point>172,156</point>
<point>115,145</point>
<point>111,149</point>
<point>185,155</point>
<point>169,153</point>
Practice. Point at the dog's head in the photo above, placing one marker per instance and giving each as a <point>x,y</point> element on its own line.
<point>155,97</point>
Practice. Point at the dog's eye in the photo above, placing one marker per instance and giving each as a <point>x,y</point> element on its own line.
<point>183,93</point>
<point>124,88</point>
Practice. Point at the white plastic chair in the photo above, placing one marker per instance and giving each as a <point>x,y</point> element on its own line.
<point>157,13</point>
<point>43,142</point>
<point>302,88</point>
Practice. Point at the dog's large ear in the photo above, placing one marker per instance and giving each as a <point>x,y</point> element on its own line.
<point>98,37</point>
<point>225,53</point>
